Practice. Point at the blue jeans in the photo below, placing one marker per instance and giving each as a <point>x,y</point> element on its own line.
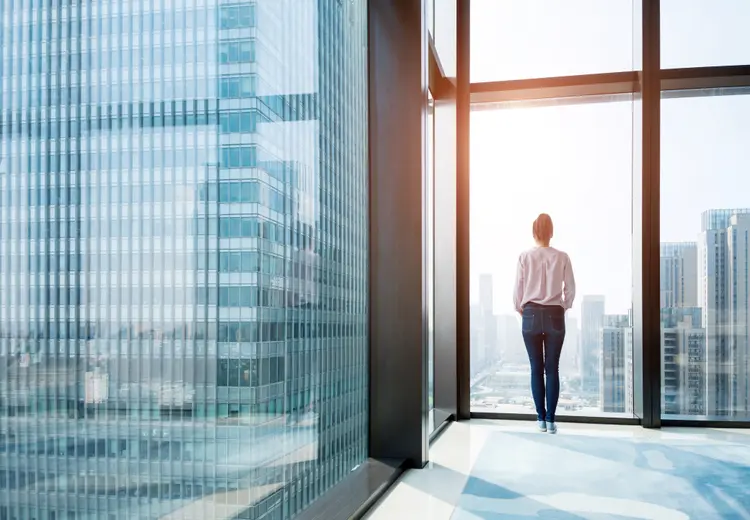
<point>543,328</point>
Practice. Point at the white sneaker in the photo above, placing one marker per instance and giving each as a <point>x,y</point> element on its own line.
<point>551,428</point>
<point>542,426</point>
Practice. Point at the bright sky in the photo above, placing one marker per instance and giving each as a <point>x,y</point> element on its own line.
<point>576,162</point>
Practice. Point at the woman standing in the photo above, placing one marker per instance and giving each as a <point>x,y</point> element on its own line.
<point>545,289</point>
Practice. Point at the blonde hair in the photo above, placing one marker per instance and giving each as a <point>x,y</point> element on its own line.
<point>542,228</point>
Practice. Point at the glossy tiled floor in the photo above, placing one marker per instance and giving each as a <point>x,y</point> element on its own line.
<point>506,470</point>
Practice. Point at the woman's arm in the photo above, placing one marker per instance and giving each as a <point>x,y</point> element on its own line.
<point>569,285</point>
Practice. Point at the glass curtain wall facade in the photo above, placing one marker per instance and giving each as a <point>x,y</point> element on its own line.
<point>183,256</point>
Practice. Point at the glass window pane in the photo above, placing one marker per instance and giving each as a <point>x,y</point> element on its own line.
<point>233,52</point>
<point>234,122</point>
<point>522,39</point>
<point>247,122</point>
<point>224,192</point>
<point>705,228</point>
<point>702,33</point>
<point>246,52</point>
<point>575,163</point>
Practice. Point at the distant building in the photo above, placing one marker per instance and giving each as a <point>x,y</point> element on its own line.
<point>510,341</point>
<point>723,297</point>
<point>592,315</point>
<point>485,349</point>
<point>615,365</point>
<point>486,293</point>
<point>683,343</point>
<point>570,358</point>
<point>683,339</point>
<point>678,269</point>
<point>476,352</point>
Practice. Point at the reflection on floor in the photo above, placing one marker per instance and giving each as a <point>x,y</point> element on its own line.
<point>505,470</point>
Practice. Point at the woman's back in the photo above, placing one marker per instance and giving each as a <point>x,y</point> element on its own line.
<point>545,277</point>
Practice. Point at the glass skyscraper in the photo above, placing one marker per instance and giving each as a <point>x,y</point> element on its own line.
<point>183,256</point>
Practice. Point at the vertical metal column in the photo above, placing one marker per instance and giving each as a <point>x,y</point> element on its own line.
<point>647,336</point>
<point>463,122</point>
<point>398,350</point>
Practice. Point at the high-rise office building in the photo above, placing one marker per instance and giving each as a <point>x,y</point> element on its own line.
<point>486,293</point>
<point>183,256</point>
<point>629,370</point>
<point>679,274</point>
<point>487,334</point>
<point>592,316</point>
<point>723,297</point>
<point>738,286</point>
<point>511,347</point>
<point>683,339</point>
<point>476,346</point>
<point>570,357</point>
<point>615,377</point>
<point>683,343</point>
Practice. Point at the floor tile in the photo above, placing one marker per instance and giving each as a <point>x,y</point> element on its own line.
<point>506,470</point>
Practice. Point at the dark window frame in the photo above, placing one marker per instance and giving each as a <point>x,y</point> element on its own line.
<point>649,85</point>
